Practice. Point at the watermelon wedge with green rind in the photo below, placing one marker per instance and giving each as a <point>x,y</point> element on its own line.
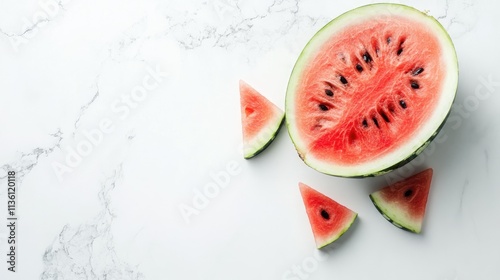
<point>403,203</point>
<point>370,90</point>
<point>328,219</point>
<point>260,119</point>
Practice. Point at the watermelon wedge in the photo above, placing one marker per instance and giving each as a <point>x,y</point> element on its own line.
<point>328,219</point>
<point>260,119</point>
<point>370,90</point>
<point>403,203</point>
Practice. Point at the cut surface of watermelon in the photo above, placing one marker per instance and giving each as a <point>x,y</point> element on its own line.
<point>328,219</point>
<point>370,90</point>
<point>403,203</point>
<point>260,119</point>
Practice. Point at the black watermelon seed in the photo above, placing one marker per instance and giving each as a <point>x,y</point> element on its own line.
<point>359,68</point>
<point>366,57</point>
<point>388,40</point>
<point>417,71</point>
<point>384,116</point>
<point>408,193</point>
<point>325,214</point>
<point>402,103</point>
<point>414,85</point>
<point>323,107</point>
<point>375,121</point>
<point>364,123</point>
<point>329,92</point>
<point>400,51</point>
<point>343,80</point>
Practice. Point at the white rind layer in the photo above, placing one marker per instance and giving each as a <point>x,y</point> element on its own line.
<point>428,130</point>
<point>320,243</point>
<point>260,141</point>
<point>395,214</point>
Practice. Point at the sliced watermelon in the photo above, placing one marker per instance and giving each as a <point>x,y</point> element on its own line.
<point>403,203</point>
<point>370,90</point>
<point>328,219</point>
<point>260,118</point>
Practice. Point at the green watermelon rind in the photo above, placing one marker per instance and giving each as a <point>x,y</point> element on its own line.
<point>394,215</point>
<point>411,157</point>
<point>334,238</point>
<point>299,65</point>
<point>265,140</point>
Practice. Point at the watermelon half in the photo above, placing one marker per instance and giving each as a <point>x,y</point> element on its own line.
<point>403,203</point>
<point>328,219</point>
<point>370,90</point>
<point>260,119</point>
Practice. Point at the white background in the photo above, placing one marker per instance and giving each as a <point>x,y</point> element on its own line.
<point>66,67</point>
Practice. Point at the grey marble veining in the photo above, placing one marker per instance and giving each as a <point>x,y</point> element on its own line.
<point>87,251</point>
<point>70,67</point>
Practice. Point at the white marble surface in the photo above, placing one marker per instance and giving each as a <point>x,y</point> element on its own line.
<point>71,68</point>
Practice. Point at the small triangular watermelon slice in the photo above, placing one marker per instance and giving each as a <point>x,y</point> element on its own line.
<point>260,119</point>
<point>403,203</point>
<point>328,219</point>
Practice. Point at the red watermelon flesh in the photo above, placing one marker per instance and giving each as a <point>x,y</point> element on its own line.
<point>403,203</point>
<point>328,219</point>
<point>370,90</point>
<point>260,120</point>
<point>378,89</point>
